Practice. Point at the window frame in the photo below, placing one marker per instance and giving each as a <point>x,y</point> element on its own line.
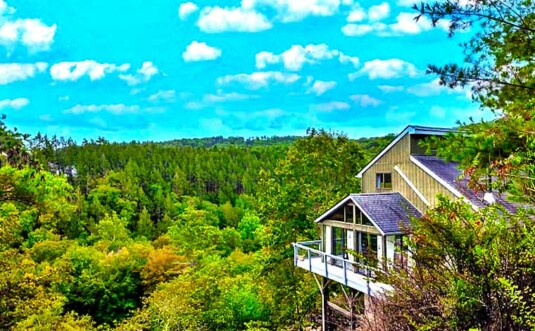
<point>380,181</point>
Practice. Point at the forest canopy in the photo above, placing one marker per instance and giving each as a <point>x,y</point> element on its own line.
<point>181,235</point>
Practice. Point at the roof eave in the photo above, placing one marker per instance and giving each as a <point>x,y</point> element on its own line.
<point>409,129</point>
<point>405,131</point>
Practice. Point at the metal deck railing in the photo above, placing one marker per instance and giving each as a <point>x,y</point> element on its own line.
<point>308,255</point>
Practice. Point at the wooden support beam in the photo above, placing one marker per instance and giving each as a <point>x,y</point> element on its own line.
<point>339,309</point>
<point>324,290</point>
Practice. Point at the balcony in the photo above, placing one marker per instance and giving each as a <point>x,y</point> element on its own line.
<point>309,256</point>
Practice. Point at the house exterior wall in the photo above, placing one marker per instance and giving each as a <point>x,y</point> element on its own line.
<point>399,155</point>
<point>390,248</point>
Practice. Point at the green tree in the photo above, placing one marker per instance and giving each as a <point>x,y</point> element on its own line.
<point>145,226</point>
<point>471,270</point>
<point>318,171</point>
<point>500,61</point>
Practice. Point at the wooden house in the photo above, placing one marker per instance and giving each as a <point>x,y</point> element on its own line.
<point>363,234</point>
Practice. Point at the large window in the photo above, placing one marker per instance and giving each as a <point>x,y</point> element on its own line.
<point>349,214</point>
<point>383,181</point>
<point>368,249</point>
<point>338,241</point>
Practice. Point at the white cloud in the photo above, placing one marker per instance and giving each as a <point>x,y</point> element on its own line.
<point>168,95</point>
<point>353,30</point>
<point>116,109</point>
<point>320,87</point>
<point>143,75</point>
<point>14,103</point>
<point>349,59</point>
<point>3,7</point>
<point>218,19</point>
<point>73,71</point>
<point>12,72</point>
<point>379,12</point>
<point>295,57</point>
<point>200,51</point>
<point>405,24</point>
<point>390,88</point>
<point>407,3</point>
<point>259,15</point>
<point>296,10</point>
<point>356,14</point>
<point>330,106</point>
<point>218,97</point>
<point>32,33</point>
<point>225,97</point>
<point>365,100</point>
<point>433,88</point>
<point>186,9</point>
<point>258,80</point>
<point>391,68</point>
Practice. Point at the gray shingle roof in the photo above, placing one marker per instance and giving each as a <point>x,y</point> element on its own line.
<point>451,174</point>
<point>389,211</point>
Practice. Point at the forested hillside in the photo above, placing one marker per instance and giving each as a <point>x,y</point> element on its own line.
<point>164,236</point>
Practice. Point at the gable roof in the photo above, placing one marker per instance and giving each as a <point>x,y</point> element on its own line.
<point>410,129</point>
<point>388,212</point>
<point>450,173</point>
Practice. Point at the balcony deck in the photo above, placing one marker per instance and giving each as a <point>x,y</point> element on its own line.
<point>355,275</point>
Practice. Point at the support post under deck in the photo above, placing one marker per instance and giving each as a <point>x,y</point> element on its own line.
<point>324,290</point>
<point>324,304</point>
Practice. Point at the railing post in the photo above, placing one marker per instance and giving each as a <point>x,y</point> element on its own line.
<point>325,264</point>
<point>309,260</point>
<point>345,271</point>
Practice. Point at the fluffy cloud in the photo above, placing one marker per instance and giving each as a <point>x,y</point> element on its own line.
<point>433,88</point>
<point>407,3</point>
<point>199,51</point>
<point>3,7</point>
<point>225,97</point>
<point>390,88</point>
<point>162,95</point>
<point>143,75</point>
<point>208,100</point>
<point>353,30</point>
<point>320,87</point>
<point>365,100</point>
<point>391,68</point>
<point>296,10</point>
<point>405,24</point>
<point>14,103</point>
<point>258,80</point>
<point>186,9</point>
<point>356,14</point>
<point>12,72</point>
<point>259,15</point>
<point>218,19</point>
<point>31,33</point>
<point>330,106</point>
<point>116,109</point>
<point>73,71</point>
<point>295,57</point>
<point>379,12</point>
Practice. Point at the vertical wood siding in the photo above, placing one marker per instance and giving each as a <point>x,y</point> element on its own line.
<point>399,155</point>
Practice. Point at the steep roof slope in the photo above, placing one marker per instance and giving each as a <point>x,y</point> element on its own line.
<point>453,176</point>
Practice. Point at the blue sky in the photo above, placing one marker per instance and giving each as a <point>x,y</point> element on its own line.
<point>165,69</point>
